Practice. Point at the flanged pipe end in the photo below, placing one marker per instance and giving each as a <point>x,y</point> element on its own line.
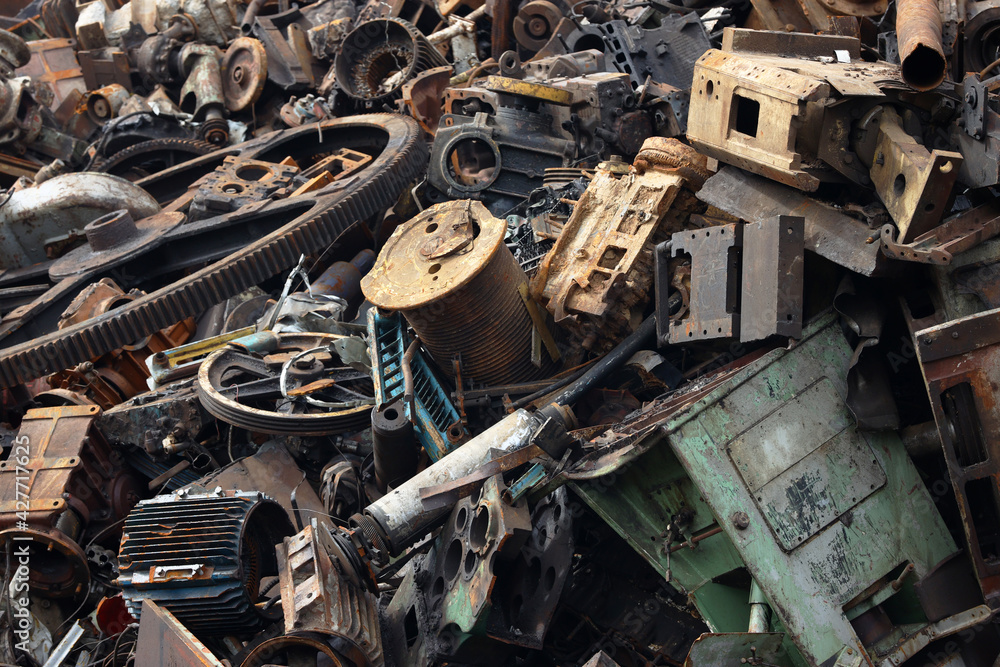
<point>111,230</point>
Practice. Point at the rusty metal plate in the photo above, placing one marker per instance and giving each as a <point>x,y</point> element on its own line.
<point>714,279</point>
<point>961,366</point>
<point>163,640</point>
<point>273,472</point>
<point>773,266</point>
<point>53,61</point>
<point>57,437</point>
<point>802,45</point>
<point>828,232</point>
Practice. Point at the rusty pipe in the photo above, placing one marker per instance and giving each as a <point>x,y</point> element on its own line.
<point>921,52</point>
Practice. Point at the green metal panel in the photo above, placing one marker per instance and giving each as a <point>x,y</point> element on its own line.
<point>833,512</point>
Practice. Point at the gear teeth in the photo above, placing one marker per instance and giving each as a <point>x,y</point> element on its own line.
<point>402,159</point>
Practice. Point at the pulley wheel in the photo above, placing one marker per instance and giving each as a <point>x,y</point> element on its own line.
<point>244,71</point>
<point>244,388</point>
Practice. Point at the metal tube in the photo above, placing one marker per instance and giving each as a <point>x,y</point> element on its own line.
<point>759,610</point>
<point>918,30</point>
<point>393,446</point>
<point>399,516</point>
<point>459,25</point>
<point>612,360</point>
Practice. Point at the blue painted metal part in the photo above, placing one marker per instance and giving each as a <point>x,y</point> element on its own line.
<point>528,481</point>
<point>437,424</point>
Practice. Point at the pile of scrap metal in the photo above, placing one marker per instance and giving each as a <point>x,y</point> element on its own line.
<point>483,332</point>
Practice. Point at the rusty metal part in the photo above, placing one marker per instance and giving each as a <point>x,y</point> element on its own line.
<point>501,27</point>
<point>103,104</point>
<point>76,489</point>
<point>755,128</point>
<point>915,184</point>
<point>665,54</point>
<point>322,596</point>
<point>151,420</point>
<point>113,239</point>
<point>343,279</point>
<point>714,292</point>
<point>918,31</point>
<point>481,531</point>
<point>496,573</point>
<point>456,283</point>
<point>104,67</point>
<point>498,136</point>
<point>422,95</point>
<point>238,182</point>
<point>829,232</point>
<point>148,157</point>
<point>202,557</point>
<point>763,114</point>
<point>202,89</point>
<point>290,63</point>
<point>14,53</point>
<point>773,271</point>
<point>596,278</point>
<point>535,23</point>
<point>244,73</point>
<point>62,205</point>
<point>529,601</point>
<point>378,57</point>
<point>120,374</point>
<point>311,226</point>
<point>53,63</point>
<point>961,368</point>
<point>752,272</point>
<point>939,245</point>
<point>21,105</point>
<point>271,471</point>
<point>259,391</point>
<point>162,638</point>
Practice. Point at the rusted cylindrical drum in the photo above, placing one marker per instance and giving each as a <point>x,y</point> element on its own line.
<point>921,51</point>
<point>450,274</point>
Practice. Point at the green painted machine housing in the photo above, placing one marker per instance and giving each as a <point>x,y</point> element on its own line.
<point>771,480</point>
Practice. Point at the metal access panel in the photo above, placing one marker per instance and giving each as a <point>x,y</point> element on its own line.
<point>778,483</point>
<point>817,468</point>
<point>960,361</point>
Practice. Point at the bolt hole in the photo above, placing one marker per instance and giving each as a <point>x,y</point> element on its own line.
<point>899,185</point>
